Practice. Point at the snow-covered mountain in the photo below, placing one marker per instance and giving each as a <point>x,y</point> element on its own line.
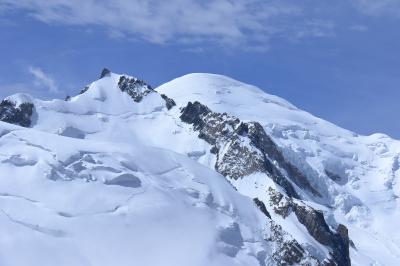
<point>203,170</point>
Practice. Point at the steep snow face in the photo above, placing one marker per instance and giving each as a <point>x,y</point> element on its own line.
<point>358,175</point>
<point>67,201</point>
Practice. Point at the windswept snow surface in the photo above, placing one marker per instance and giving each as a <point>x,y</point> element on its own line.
<point>103,180</point>
<point>59,206</point>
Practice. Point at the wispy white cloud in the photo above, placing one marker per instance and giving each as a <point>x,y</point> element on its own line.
<point>317,28</point>
<point>247,24</point>
<point>43,80</point>
<point>379,7</point>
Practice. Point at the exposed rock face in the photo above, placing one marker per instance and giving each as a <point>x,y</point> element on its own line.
<point>84,90</point>
<point>105,73</point>
<point>315,223</point>
<point>345,242</point>
<point>138,89</point>
<point>168,101</point>
<point>135,88</point>
<point>243,148</point>
<point>287,250</point>
<point>16,114</point>
<point>262,207</point>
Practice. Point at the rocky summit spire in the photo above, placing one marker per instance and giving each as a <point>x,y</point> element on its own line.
<point>105,73</point>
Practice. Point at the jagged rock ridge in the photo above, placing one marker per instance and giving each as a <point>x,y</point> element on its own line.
<point>136,88</point>
<point>243,148</point>
<point>316,226</point>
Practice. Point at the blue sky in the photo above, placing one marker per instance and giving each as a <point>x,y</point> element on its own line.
<point>339,60</point>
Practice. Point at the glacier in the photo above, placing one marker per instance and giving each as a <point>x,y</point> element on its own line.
<point>203,170</point>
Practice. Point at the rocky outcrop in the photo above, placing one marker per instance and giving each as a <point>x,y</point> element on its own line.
<point>286,250</point>
<point>105,73</point>
<point>134,87</point>
<point>137,89</point>
<point>262,207</point>
<point>84,90</point>
<point>13,113</point>
<point>243,148</point>
<point>168,101</point>
<point>313,220</point>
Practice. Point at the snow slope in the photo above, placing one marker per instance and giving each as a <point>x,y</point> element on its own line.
<point>106,179</point>
<point>66,201</point>
<point>366,195</point>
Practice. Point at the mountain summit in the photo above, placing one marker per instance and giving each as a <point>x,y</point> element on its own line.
<point>203,170</point>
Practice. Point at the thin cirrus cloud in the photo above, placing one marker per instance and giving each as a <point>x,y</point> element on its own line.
<point>379,8</point>
<point>42,79</point>
<point>245,24</point>
<point>239,23</point>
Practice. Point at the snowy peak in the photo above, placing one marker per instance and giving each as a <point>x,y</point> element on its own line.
<point>247,102</point>
<point>116,94</point>
<point>223,90</point>
<point>282,186</point>
<point>17,109</point>
<point>112,94</point>
<point>111,83</point>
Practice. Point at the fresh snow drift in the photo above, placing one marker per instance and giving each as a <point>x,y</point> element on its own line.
<point>122,174</point>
